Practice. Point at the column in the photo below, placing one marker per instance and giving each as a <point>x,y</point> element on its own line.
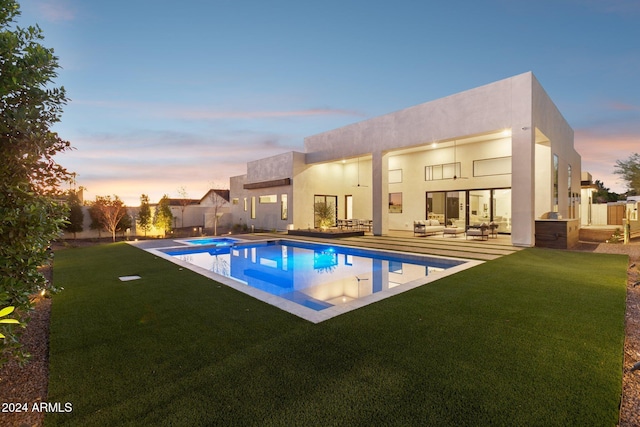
<point>523,187</point>
<point>380,195</point>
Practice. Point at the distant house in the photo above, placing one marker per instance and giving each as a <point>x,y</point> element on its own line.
<point>500,152</point>
<point>201,212</point>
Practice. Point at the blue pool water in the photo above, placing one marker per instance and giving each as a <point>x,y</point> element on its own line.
<point>217,241</point>
<point>312,275</point>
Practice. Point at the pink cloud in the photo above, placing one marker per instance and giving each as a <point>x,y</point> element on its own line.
<point>56,10</point>
<point>208,114</point>
<point>600,151</point>
<point>215,115</point>
<point>621,106</point>
<point>157,163</point>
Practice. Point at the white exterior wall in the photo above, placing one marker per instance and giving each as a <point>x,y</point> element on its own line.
<point>333,179</point>
<point>268,215</point>
<point>548,120</point>
<point>518,104</point>
<point>201,216</point>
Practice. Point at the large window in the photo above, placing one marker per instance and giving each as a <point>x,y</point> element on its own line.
<point>571,200</point>
<point>444,171</point>
<point>271,198</point>
<point>555,182</point>
<point>253,207</point>
<point>489,167</point>
<point>284,207</point>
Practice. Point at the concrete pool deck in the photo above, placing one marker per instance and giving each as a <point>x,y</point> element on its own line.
<point>401,241</point>
<point>397,241</point>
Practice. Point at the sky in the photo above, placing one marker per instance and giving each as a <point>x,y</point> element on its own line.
<point>167,95</point>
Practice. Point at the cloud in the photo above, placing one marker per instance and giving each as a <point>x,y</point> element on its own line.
<point>56,10</point>
<point>621,106</point>
<point>189,113</point>
<point>218,115</point>
<point>600,150</point>
<point>158,162</point>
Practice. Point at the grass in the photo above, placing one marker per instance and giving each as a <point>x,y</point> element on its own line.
<point>533,338</point>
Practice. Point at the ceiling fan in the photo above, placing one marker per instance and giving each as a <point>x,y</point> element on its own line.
<point>359,176</point>
<point>455,167</point>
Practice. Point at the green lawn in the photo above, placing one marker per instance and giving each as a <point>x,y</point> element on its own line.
<point>533,338</point>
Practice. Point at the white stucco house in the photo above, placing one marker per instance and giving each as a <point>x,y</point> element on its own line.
<point>500,152</point>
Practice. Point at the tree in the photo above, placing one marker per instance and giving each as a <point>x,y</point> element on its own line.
<point>95,213</point>
<point>31,215</point>
<point>144,214</point>
<point>629,170</point>
<point>124,224</point>
<point>217,202</point>
<point>325,214</point>
<point>163,217</point>
<point>109,212</point>
<point>76,216</point>
<point>604,194</point>
<point>184,202</point>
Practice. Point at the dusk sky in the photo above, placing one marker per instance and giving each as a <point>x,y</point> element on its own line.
<point>168,94</point>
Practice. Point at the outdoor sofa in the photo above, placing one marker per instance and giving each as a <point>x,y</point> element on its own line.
<point>426,227</point>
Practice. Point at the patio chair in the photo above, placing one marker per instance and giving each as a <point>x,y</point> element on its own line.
<point>493,229</point>
<point>482,232</point>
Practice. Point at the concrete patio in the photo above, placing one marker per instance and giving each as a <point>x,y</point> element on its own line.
<point>404,241</point>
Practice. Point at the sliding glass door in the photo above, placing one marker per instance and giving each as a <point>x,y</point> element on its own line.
<point>471,207</point>
<point>447,207</point>
<point>502,209</point>
<point>479,206</point>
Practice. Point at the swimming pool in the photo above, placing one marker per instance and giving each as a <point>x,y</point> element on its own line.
<point>313,281</point>
<point>216,241</point>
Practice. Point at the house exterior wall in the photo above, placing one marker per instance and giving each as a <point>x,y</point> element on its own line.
<point>473,112</point>
<point>548,120</point>
<point>401,140</point>
<point>332,179</point>
<point>268,216</point>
